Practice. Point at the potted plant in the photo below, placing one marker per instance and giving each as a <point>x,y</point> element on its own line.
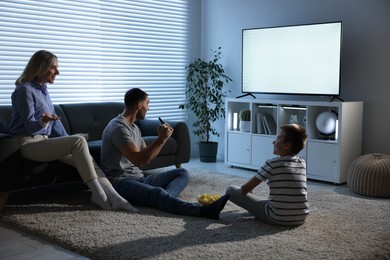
<point>245,120</point>
<point>205,98</point>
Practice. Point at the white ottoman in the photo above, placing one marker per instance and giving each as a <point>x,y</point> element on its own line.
<point>369,175</point>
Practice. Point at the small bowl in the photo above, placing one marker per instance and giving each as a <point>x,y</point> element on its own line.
<point>207,199</point>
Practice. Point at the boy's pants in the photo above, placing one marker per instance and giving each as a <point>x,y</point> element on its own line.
<point>252,204</point>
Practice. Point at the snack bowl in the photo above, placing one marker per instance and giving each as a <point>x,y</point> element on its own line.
<point>207,199</point>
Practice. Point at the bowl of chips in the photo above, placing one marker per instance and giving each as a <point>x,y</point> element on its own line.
<point>207,199</point>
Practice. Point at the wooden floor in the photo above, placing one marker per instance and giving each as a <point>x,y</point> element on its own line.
<point>15,245</point>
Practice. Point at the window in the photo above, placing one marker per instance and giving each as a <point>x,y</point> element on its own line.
<point>104,48</point>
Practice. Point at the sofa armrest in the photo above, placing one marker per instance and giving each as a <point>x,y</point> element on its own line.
<point>181,134</point>
<point>8,146</point>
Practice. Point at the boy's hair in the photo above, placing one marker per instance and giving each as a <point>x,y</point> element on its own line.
<point>295,134</point>
<point>133,96</point>
<point>37,66</point>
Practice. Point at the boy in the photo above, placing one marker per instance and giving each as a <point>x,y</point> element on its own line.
<point>286,176</point>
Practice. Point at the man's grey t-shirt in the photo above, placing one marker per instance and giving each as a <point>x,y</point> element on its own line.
<point>116,134</point>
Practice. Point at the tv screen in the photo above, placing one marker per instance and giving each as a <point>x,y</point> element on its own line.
<point>296,59</point>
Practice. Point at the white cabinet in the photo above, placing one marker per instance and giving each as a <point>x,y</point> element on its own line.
<point>322,160</point>
<point>241,154</point>
<point>328,157</point>
<point>262,149</point>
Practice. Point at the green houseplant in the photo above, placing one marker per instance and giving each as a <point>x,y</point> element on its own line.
<point>205,98</point>
<point>245,118</point>
<point>245,115</point>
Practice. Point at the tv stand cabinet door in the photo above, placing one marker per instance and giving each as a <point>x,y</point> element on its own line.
<point>262,149</point>
<point>322,163</point>
<point>239,148</point>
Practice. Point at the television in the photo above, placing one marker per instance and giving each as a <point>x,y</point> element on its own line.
<point>295,59</point>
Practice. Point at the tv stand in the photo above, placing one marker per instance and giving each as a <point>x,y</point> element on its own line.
<point>327,157</point>
<point>332,98</point>
<point>247,94</point>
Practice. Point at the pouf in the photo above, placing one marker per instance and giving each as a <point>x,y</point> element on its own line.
<point>369,175</point>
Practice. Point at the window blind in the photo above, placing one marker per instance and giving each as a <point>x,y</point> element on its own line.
<point>104,48</point>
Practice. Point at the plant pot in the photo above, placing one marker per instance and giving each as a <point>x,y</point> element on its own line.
<point>245,126</point>
<point>208,151</point>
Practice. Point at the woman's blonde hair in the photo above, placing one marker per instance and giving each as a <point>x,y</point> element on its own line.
<point>37,66</point>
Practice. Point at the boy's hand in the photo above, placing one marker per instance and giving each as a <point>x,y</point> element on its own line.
<point>250,185</point>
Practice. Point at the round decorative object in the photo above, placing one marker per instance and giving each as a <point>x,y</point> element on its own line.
<point>326,122</point>
<point>369,175</point>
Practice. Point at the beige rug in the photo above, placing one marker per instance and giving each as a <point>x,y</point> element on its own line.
<point>339,227</point>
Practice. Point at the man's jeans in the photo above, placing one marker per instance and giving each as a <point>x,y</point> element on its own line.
<point>160,191</point>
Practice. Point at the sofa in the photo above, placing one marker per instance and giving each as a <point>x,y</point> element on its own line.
<point>91,118</point>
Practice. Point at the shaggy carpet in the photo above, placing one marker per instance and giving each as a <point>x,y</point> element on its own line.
<point>339,227</point>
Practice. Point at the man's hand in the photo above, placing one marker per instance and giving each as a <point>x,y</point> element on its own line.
<point>146,154</point>
<point>164,131</point>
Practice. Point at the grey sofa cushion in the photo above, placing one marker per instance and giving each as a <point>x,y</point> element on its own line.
<point>170,146</point>
<point>94,149</point>
<point>91,118</point>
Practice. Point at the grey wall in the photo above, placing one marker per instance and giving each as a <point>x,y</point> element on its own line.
<point>365,54</point>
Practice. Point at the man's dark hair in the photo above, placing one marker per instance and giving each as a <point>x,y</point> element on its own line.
<point>133,96</point>
<point>295,134</point>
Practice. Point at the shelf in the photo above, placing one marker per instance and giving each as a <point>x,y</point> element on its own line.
<point>326,160</point>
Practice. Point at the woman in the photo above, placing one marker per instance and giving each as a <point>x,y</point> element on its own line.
<point>42,136</point>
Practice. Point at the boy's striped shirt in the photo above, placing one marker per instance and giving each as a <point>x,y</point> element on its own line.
<point>286,177</point>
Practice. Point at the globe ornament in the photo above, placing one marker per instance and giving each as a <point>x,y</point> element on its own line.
<point>326,123</point>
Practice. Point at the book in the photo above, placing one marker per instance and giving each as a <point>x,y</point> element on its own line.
<point>264,126</point>
<point>260,123</point>
<point>269,123</point>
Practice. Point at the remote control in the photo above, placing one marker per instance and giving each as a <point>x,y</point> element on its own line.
<point>162,122</point>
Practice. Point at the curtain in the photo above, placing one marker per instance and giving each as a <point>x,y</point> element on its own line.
<point>104,48</point>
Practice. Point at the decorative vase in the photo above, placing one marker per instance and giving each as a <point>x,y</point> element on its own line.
<point>293,119</point>
<point>245,126</point>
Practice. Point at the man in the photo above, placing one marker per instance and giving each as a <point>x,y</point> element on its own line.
<point>124,151</point>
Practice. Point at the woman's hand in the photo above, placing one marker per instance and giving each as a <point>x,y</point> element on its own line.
<point>47,117</point>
